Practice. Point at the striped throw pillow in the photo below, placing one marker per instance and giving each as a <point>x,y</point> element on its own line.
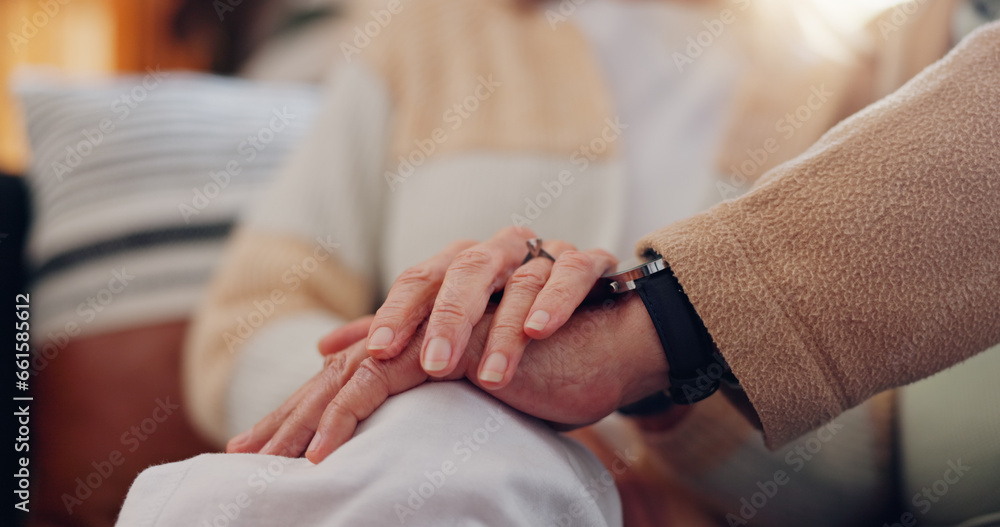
<point>136,183</point>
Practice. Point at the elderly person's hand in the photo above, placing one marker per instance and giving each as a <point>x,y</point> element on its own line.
<point>602,358</point>
<point>451,292</point>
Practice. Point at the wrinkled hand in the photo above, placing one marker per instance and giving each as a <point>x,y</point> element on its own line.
<point>604,357</point>
<point>451,292</point>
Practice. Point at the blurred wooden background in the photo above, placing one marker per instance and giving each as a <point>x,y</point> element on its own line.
<point>84,38</point>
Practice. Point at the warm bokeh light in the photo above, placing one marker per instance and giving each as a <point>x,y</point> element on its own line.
<point>80,38</point>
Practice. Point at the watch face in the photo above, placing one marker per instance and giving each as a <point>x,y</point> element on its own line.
<point>627,265</point>
<point>623,280</point>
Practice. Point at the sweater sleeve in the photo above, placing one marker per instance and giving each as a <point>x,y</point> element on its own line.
<point>870,261</point>
<point>305,254</point>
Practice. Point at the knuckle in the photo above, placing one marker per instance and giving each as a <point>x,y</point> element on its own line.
<point>507,326</point>
<point>395,310</point>
<point>558,293</point>
<point>447,311</point>
<point>415,276</point>
<point>334,374</point>
<point>575,261</point>
<point>526,277</point>
<point>293,437</point>
<point>333,410</point>
<point>341,408</point>
<point>474,259</point>
<point>298,422</point>
<point>373,373</point>
<point>301,427</point>
<point>334,364</point>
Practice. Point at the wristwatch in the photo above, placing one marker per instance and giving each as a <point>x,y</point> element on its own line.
<point>696,367</point>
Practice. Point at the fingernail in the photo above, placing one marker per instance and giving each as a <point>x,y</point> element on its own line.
<point>314,444</point>
<point>494,368</point>
<point>266,449</point>
<point>538,320</point>
<point>437,354</point>
<point>380,339</point>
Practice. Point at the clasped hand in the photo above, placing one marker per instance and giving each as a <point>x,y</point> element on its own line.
<point>540,351</point>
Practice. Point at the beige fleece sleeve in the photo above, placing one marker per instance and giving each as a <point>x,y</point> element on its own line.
<point>869,262</point>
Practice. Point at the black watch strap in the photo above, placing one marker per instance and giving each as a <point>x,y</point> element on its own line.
<point>657,403</point>
<point>686,342</point>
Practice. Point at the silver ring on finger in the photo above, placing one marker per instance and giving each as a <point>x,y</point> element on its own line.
<point>535,250</point>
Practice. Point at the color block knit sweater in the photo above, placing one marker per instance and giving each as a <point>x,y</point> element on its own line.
<point>478,98</point>
<point>444,126</point>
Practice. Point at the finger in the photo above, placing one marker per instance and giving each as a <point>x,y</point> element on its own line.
<point>507,339</point>
<point>470,280</point>
<point>374,382</point>
<point>298,427</point>
<point>344,336</point>
<point>409,302</point>
<point>367,389</point>
<point>251,441</point>
<point>573,275</point>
